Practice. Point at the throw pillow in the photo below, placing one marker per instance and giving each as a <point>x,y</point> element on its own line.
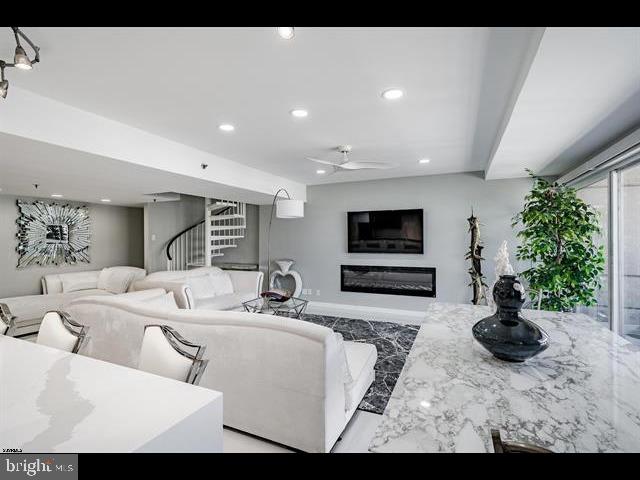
<point>115,279</point>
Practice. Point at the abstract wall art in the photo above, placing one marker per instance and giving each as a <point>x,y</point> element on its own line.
<point>52,234</point>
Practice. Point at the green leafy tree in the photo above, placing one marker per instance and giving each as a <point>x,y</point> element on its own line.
<point>558,239</point>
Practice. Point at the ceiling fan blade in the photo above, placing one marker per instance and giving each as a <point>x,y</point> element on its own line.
<point>366,165</point>
<point>325,162</point>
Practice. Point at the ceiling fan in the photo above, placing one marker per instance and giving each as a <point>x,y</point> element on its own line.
<point>347,164</point>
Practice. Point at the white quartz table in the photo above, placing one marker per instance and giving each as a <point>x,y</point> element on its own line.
<point>582,394</point>
<point>53,401</point>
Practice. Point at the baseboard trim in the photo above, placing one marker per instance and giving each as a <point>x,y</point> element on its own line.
<point>366,312</point>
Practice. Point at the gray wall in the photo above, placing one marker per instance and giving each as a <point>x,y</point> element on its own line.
<point>163,220</point>
<point>117,239</point>
<point>317,242</point>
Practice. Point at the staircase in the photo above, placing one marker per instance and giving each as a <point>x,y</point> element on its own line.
<point>223,225</point>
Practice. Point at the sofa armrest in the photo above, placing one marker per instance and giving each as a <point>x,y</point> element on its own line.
<point>246,282</point>
<point>181,291</point>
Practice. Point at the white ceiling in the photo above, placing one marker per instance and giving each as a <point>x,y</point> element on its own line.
<point>577,91</point>
<point>180,83</point>
<point>476,98</point>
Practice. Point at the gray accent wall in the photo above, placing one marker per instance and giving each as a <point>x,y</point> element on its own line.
<point>117,239</point>
<point>163,220</point>
<point>318,242</point>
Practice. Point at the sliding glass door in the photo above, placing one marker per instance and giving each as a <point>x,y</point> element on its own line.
<point>597,195</point>
<point>617,199</point>
<point>629,241</point>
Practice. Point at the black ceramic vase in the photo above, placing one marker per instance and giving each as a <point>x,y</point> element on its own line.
<point>506,334</point>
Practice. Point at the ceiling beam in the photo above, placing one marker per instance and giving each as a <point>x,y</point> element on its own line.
<point>28,115</point>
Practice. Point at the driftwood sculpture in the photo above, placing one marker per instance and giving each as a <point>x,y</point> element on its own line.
<point>475,255</point>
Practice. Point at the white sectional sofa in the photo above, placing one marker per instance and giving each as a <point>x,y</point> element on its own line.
<point>286,380</point>
<point>206,288</point>
<point>60,288</point>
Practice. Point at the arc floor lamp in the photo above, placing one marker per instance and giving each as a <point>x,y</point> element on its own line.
<point>283,208</point>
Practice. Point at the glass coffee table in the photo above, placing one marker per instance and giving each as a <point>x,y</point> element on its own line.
<point>294,307</point>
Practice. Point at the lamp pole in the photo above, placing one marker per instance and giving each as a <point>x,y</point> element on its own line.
<point>273,208</point>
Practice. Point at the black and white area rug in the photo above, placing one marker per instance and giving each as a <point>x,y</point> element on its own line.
<point>393,341</point>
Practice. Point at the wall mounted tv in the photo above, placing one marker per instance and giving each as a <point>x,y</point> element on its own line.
<point>385,231</point>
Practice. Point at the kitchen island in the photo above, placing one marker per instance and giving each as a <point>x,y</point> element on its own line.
<point>582,394</point>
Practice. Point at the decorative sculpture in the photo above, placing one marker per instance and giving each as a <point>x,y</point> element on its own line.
<point>52,234</point>
<point>503,267</point>
<point>285,279</point>
<point>475,255</point>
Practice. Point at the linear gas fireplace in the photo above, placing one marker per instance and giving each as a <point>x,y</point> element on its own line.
<point>413,281</point>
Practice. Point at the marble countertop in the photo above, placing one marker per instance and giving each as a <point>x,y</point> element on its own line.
<point>582,394</point>
<point>53,401</point>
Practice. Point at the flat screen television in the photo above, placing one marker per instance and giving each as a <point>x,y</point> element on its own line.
<point>385,231</point>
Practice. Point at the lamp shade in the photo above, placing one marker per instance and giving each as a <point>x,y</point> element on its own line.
<point>287,208</point>
<point>21,60</point>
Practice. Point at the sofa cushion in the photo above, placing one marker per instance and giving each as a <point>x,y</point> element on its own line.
<point>73,282</point>
<point>361,358</point>
<point>202,286</point>
<point>116,279</point>
<point>232,301</point>
<point>346,372</point>
<point>166,301</point>
<point>222,283</point>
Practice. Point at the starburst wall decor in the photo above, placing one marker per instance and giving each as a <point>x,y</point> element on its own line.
<point>52,234</point>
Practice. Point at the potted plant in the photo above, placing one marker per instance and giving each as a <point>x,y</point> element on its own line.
<point>557,235</point>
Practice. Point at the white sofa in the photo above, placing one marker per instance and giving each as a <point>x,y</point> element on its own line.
<point>283,379</point>
<point>206,288</point>
<point>60,288</point>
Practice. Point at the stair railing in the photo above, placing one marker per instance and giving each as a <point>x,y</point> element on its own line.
<point>187,248</point>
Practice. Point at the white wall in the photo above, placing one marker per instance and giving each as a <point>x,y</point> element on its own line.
<point>117,239</point>
<point>318,241</point>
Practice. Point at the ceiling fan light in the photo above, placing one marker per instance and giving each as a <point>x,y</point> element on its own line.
<point>21,60</point>
<point>4,88</point>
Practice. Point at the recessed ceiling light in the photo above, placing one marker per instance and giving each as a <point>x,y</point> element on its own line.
<point>105,200</point>
<point>286,32</point>
<point>424,161</point>
<point>226,127</point>
<point>299,113</point>
<point>56,195</point>
<point>392,94</point>
<point>321,172</point>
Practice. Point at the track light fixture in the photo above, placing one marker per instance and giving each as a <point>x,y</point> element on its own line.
<point>20,60</point>
<point>4,84</point>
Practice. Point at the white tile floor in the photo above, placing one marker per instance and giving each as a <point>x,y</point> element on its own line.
<point>355,438</point>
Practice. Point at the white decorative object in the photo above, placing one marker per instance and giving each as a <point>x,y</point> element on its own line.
<point>286,279</point>
<point>503,267</point>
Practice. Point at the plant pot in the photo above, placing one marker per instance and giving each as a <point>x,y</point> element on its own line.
<point>507,334</point>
